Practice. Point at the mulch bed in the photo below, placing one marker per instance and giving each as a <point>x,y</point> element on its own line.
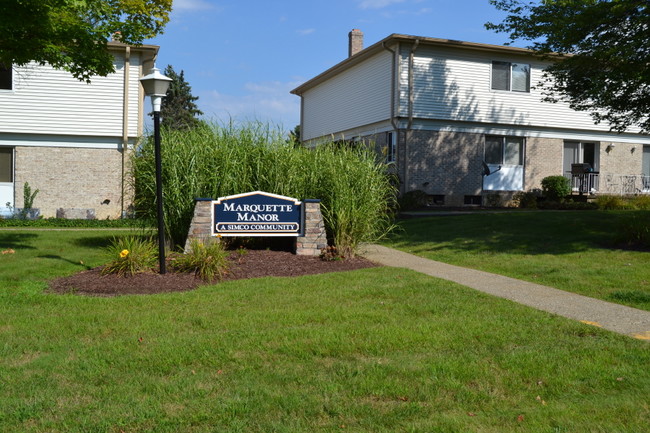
<point>253,264</point>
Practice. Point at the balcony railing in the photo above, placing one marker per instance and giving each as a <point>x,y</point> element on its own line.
<point>608,183</point>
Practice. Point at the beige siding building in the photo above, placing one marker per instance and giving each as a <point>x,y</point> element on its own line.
<point>69,139</point>
<point>446,113</point>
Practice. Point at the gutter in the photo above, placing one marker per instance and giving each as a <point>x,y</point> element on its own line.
<point>392,85</point>
<point>411,82</point>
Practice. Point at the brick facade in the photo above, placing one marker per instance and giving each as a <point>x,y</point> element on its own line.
<point>72,178</point>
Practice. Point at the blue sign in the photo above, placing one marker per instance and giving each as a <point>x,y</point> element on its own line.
<point>257,214</point>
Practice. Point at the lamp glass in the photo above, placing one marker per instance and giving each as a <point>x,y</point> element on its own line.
<point>155,84</point>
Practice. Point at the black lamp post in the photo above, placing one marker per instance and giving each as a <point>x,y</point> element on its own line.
<point>155,85</point>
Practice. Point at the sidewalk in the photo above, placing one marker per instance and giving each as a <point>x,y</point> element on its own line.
<point>614,317</point>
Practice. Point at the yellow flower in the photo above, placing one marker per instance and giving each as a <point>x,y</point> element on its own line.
<point>124,253</point>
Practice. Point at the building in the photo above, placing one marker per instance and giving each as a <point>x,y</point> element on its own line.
<point>70,140</point>
<point>461,120</point>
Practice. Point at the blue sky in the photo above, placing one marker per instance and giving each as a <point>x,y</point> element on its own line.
<point>243,57</point>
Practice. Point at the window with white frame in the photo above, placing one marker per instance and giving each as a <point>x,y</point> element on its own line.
<point>508,76</point>
<point>391,146</point>
<point>6,77</point>
<point>501,150</point>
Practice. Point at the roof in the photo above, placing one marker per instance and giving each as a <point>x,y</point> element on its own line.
<point>116,45</point>
<point>397,38</point>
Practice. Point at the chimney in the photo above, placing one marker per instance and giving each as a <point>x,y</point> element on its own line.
<point>356,42</point>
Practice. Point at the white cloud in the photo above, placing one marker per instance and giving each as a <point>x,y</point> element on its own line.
<point>192,5</point>
<point>265,101</point>
<point>305,32</point>
<point>377,4</point>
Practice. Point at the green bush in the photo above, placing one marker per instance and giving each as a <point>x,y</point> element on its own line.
<point>130,255</point>
<point>412,200</point>
<point>207,261</point>
<point>214,161</point>
<point>635,231</point>
<point>555,188</point>
<point>526,199</point>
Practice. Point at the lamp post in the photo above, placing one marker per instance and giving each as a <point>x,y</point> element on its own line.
<point>155,85</point>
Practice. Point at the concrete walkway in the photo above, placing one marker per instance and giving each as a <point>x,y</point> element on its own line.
<point>614,317</point>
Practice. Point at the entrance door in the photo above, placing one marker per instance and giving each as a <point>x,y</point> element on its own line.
<point>6,180</point>
<point>581,152</point>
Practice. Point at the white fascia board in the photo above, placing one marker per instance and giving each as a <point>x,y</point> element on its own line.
<point>62,141</point>
<point>525,131</point>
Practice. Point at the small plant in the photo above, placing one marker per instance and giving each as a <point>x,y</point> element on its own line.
<point>555,188</point>
<point>130,255</point>
<point>241,253</point>
<point>612,202</point>
<point>207,261</point>
<point>412,200</point>
<point>331,254</point>
<point>29,196</point>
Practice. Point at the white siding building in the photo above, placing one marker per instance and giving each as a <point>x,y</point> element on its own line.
<point>70,139</point>
<point>442,110</point>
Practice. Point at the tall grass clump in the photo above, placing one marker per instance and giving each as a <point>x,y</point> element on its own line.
<point>130,255</point>
<point>213,161</point>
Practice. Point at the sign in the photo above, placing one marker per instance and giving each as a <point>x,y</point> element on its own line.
<point>256,214</point>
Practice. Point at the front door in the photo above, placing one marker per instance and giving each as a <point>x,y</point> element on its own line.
<point>581,152</point>
<point>645,169</point>
<point>6,180</point>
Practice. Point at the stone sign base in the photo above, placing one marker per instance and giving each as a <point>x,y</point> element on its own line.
<point>311,244</point>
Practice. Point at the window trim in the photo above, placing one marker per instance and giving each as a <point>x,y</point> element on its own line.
<point>510,76</point>
<point>391,147</point>
<point>11,79</point>
<point>504,139</point>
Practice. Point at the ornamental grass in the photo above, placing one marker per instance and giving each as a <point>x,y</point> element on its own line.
<point>214,161</point>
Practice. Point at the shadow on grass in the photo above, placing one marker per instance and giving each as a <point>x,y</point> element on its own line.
<point>515,233</point>
<point>99,241</point>
<point>16,240</point>
<point>55,257</point>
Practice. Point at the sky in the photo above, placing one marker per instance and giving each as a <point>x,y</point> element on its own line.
<point>242,58</point>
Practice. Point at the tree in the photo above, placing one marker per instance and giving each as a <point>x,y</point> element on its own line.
<point>294,137</point>
<point>73,34</point>
<point>600,52</point>
<point>178,110</point>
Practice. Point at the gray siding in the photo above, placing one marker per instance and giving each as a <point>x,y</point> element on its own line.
<point>358,96</point>
<point>49,101</point>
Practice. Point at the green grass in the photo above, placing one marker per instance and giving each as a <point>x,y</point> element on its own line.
<point>573,251</point>
<point>375,350</point>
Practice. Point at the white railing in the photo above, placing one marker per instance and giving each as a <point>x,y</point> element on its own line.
<point>608,183</point>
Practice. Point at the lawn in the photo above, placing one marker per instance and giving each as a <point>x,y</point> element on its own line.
<point>574,251</point>
<point>375,350</point>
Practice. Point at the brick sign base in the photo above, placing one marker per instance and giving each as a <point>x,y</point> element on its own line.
<point>311,244</point>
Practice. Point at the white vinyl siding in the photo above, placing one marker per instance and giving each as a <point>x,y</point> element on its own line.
<point>50,101</point>
<point>356,97</point>
<point>452,84</point>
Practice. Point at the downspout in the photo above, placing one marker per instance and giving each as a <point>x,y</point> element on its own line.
<point>409,125</point>
<point>392,86</point>
<point>125,124</point>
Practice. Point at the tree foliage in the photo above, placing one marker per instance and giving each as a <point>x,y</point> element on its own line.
<point>600,51</point>
<point>73,34</point>
<point>178,109</point>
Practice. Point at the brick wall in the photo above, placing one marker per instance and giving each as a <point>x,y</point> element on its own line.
<point>543,158</point>
<point>441,163</point>
<point>621,159</point>
<point>71,178</point>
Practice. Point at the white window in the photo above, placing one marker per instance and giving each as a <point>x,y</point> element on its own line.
<point>391,146</point>
<point>6,78</point>
<point>511,76</point>
<point>504,150</point>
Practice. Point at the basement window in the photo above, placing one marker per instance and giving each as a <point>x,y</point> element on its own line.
<point>474,200</point>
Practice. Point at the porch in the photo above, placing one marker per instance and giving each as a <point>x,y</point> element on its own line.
<point>609,183</point>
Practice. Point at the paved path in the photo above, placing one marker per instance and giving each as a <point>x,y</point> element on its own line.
<point>614,317</point>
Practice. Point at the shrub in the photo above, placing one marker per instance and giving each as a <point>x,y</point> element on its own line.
<point>411,200</point>
<point>526,199</point>
<point>207,260</point>
<point>641,202</point>
<point>612,202</point>
<point>216,161</point>
<point>556,188</point>
<point>494,200</point>
<point>634,232</point>
<point>130,255</point>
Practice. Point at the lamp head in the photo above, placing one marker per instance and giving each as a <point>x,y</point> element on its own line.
<point>155,85</point>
